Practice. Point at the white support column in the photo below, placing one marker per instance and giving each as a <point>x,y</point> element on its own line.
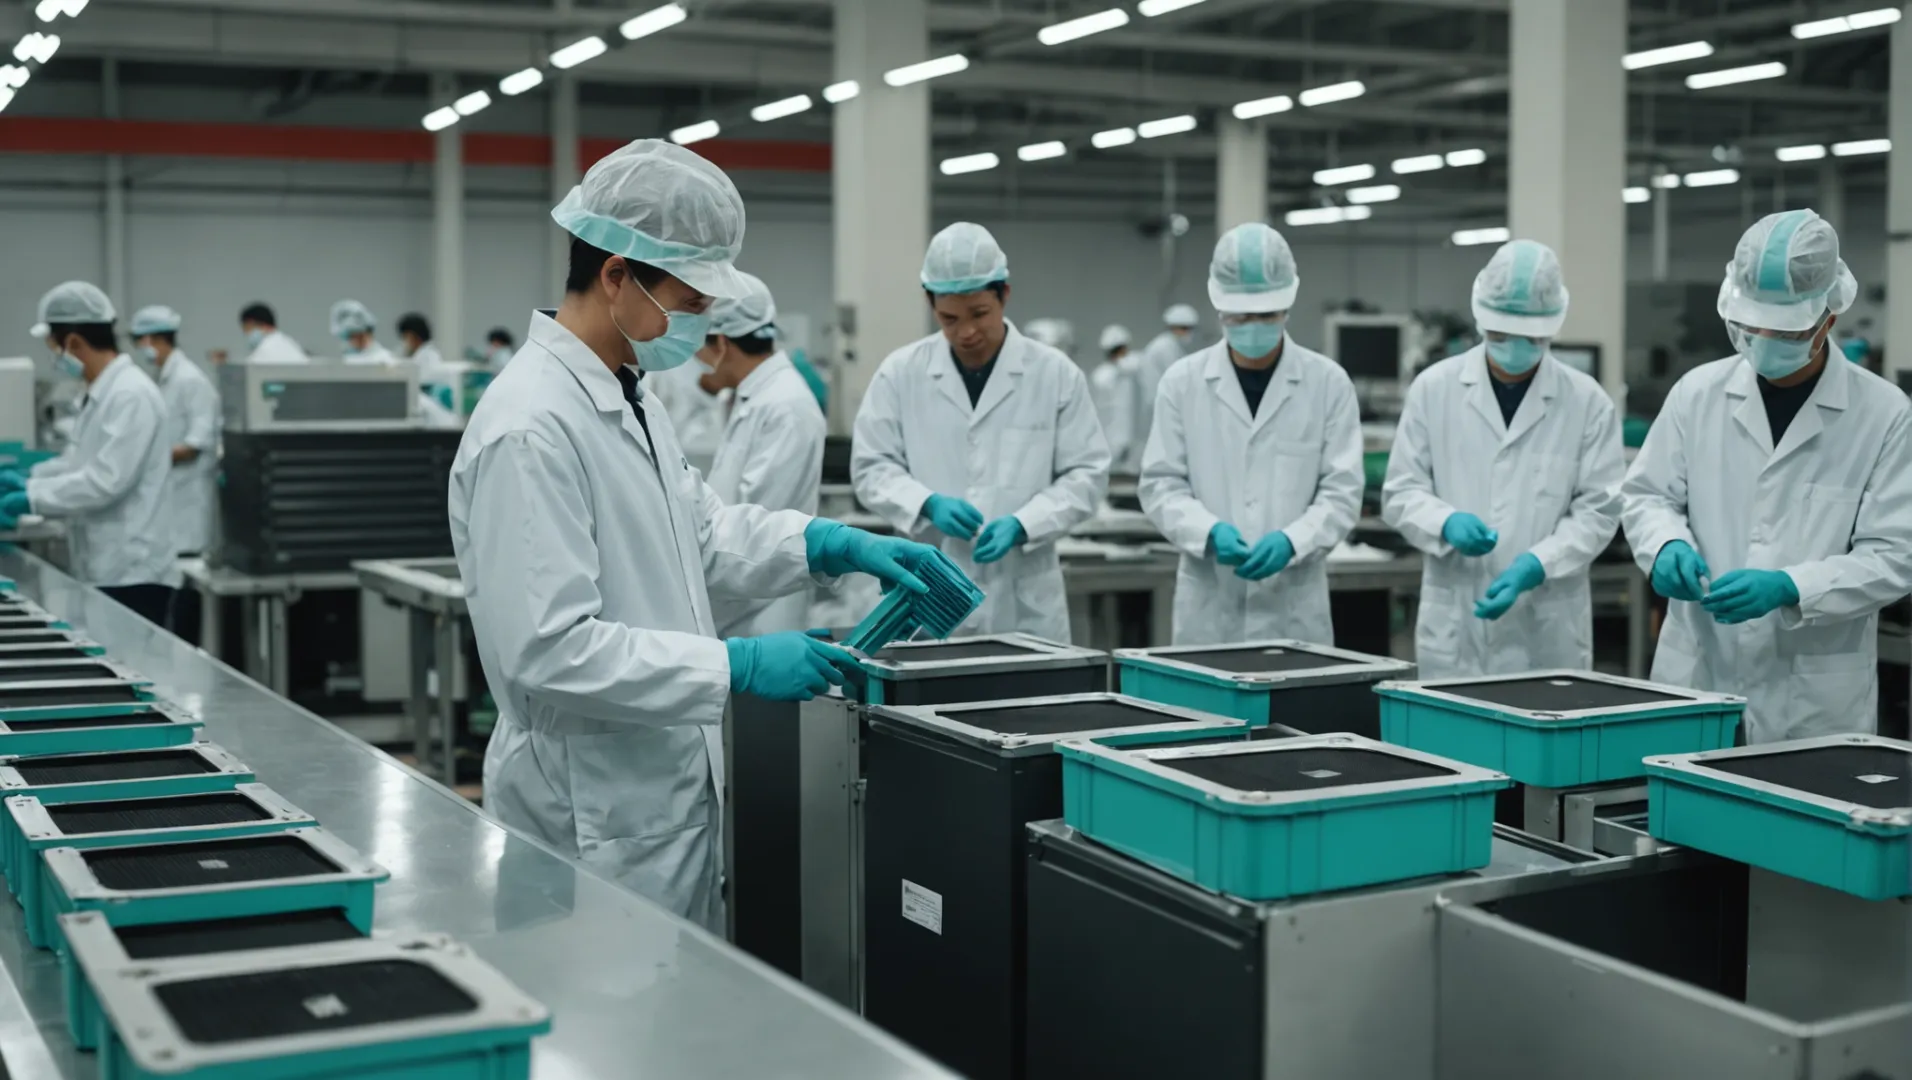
<point>1662,229</point>
<point>1830,199</point>
<point>1898,205</point>
<point>564,170</point>
<point>1568,159</point>
<point>1241,172</point>
<point>881,180</point>
<point>448,229</point>
<point>113,227</point>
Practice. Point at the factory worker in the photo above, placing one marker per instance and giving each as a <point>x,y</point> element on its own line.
<point>1254,467</point>
<point>1176,340</point>
<point>1506,475</point>
<point>265,342</point>
<point>110,484</point>
<point>1772,502</point>
<point>415,337</point>
<point>1058,334</point>
<point>498,348</point>
<point>591,551</point>
<point>354,325</point>
<point>983,441</point>
<point>192,432</point>
<point>772,451</point>
<point>1112,387</point>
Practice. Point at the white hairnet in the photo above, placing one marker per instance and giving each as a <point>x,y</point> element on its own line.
<point>154,319</point>
<point>1521,291</point>
<point>1182,315</point>
<point>746,314</point>
<point>352,317</point>
<point>1115,337</point>
<point>1786,274</point>
<point>1253,271</point>
<point>1058,334</point>
<point>72,302</point>
<point>660,204</point>
<point>963,258</point>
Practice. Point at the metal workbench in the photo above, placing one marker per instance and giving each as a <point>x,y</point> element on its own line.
<point>634,992</point>
<point>433,596</point>
<point>265,598</point>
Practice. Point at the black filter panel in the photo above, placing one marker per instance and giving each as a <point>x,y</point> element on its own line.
<point>178,812</point>
<point>94,768</point>
<point>80,723</point>
<point>1561,693</point>
<point>53,672</point>
<point>236,935</point>
<point>219,862</point>
<point>1304,769</point>
<point>47,652</point>
<point>955,650</point>
<point>1262,661</point>
<point>300,1001</point>
<point>48,637</point>
<point>28,697</point>
<point>1875,776</point>
<point>1062,717</point>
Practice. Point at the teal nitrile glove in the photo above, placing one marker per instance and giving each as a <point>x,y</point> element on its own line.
<point>836,549</point>
<point>785,667</point>
<point>11,481</point>
<point>1742,595</point>
<point>1679,573</point>
<point>1525,574</point>
<point>953,516</point>
<point>998,538</point>
<point>1270,557</point>
<point>13,506</point>
<point>1469,534</point>
<point>1226,542</point>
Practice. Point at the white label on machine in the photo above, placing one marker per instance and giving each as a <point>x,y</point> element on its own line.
<point>923,907</point>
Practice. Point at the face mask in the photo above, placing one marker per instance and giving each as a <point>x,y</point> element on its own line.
<point>1771,357</point>
<point>69,365</point>
<point>1516,355</point>
<point>684,334</point>
<point>1255,340</point>
<point>254,337</point>
<point>147,353</point>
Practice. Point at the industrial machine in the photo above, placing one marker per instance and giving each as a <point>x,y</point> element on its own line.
<point>1307,687</point>
<point>1379,352</point>
<point>318,397</point>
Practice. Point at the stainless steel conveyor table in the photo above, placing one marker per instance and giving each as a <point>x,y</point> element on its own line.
<point>634,992</point>
<point>433,597</point>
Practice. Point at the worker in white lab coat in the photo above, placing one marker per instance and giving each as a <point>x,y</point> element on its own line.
<point>983,440</point>
<point>772,453</point>
<point>415,337</point>
<point>356,327</point>
<point>591,551</point>
<point>110,484</point>
<point>192,431</point>
<point>1506,475</point>
<point>1254,467</point>
<point>1176,340</point>
<point>265,342</point>
<point>1772,502</point>
<point>1112,387</point>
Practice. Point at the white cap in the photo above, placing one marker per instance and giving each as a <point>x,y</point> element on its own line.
<point>1115,337</point>
<point>742,316</point>
<point>1182,315</point>
<point>963,258</point>
<point>155,319</point>
<point>660,204</point>
<point>352,317</point>
<point>72,302</point>
<point>1521,291</point>
<point>1786,274</point>
<point>1058,334</point>
<point>1253,272</point>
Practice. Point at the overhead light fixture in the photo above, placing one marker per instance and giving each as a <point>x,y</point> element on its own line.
<point>657,18</point>
<point>519,81</point>
<point>440,119</point>
<point>13,77</point>
<point>1152,8</point>
<point>1344,174</point>
<point>1422,163</point>
<point>1083,27</point>
<point>1114,137</point>
<point>1267,106</point>
<point>1341,91</point>
<point>48,10</point>
<point>6,97</point>
<point>1667,181</point>
<point>1800,153</point>
<point>1862,146</point>
<point>839,92</point>
<point>1706,80</point>
<point>1710,178</point>
<point>969,163</point>
<point>1461,159</point>
<point>698,132</point>
<point>1327,215</point>
<point>1635,195</point>
<point>928,69</point>
<point>1671,54</point>
<point>1840,24</point>
<point>578,52</point>
<point>37,47</point>
<point>1375,194</point>
<point>1498,234</point>
<point>777,110</point>
<point>473,102</point>
<point>1042,151</point>
<point>1168,125</point>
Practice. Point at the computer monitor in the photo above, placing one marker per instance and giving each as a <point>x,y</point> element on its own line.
<point>1584,358</point>
<point>1373,348</point>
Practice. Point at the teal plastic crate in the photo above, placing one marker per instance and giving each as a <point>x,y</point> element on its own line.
<point>294,870</point>
<point>1289,817</point>
<point>1249,681</point>
<point>421,1007</point>
<point>247,810</point>
<point>1556,729</point>
<point>1835,810</point>
<point>974,667</point>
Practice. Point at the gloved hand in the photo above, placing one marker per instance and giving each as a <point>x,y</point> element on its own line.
<point>1469,534</point>
<point>785,667</point>
<point>13,506</point>
<point>1742,595</point>
<point>998,538</point>
<point>1270,557</point>
<point>953,516</point>
<point>1225,540</point>
<point>836,549</point>
<point>1679,573</point>
<point>1524,575</point>
<point>11,481</point>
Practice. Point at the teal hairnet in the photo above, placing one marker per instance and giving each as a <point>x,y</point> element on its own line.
<point>963,258</point>
<point>1253,272</point>
<point>660,204</point>
<point>1786,274</point>
<point>352,317</point>
<point>155,319</point>
<point>72,302</point>
<point>1521,291</point>
<point>746,314</point>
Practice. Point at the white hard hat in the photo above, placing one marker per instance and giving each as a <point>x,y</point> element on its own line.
<point>1115,337</point>
<point>1182,315</point>
<point>352,317</point>
<point>963,258</point>
<point>1786,274</point>
<point>1521,291</point>
<point>1253,271</point>
<point>742,316</point>
<point>72,302</point>
<point>155,319</point>
<point>662,205</point>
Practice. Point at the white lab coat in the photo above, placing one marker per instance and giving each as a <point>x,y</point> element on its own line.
<point>192,419</point>
<point>697,416</point>
<point>1029,447</point>
<point>1294,467</point>
<point>1112,387</point>
<point>1831,506</point>
<point>589,564</point>
<point>431,365</point>
<point>1157,357</point>
<point>771,456</point>
<point>1550,484</point>
<point>277,347</point>
<point>110,484</point>
<point>375,353</point>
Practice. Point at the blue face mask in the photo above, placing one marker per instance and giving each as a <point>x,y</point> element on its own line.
<point>1776,358</point>
<point>1516,355</point>
<point>254,337</point>
<point>684,334</point>
<point>69,365</point>
<point>1255,340</point>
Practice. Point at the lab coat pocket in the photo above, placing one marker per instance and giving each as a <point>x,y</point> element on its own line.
<point>642,782</point>
<point>1297,471</point>
<point>1437,632</point>
<point>1820,525</point>
<point>1025,464</point>
<point>1831,693</point>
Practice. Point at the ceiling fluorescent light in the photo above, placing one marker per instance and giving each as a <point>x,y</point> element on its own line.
<point>698,132</point>
<point>1152,8</point>
<point>1840,24</point>
<point>1114,137</point>
<point>840,92</point>
<point>1345,174</point>
<point>13,77</point>
<point>1042,151</point>
<point>1267,106</point>
<point>1860,20</point>
<point>578,52</point>
<point>1800,153</point>
<point>440,119</point>
<point>518,82</point>
<point>1422,163</point>
<point>1341,91</point>
<point>1706,80</point>
<point>969,163</point>
<point>1498,234</point>
<point>1671,54</point>
<point>1461,159</point>
<point>1862,146</point>
<point>6,97</point>
<point>1667,181</point>
<point>1710,178</point>
<point>1359,213</point>
<point>1635,195</point>
<point>777,110</point>
<point>1083,27</point>
<point>658,18</point>
<point>928,69</point>
<point>473,102</point>
<point>1316,215</point>
<point>1375,194</point>
<point>1168,125</point>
